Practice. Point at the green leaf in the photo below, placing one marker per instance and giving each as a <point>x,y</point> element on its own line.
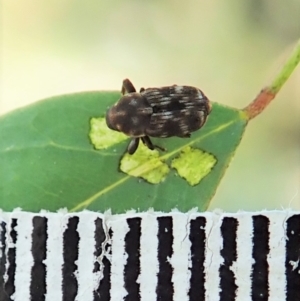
<point>48,161</point>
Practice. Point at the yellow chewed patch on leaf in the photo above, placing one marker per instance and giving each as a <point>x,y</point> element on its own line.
<point>103,137</point>
<point>146,164</point>
<point>193,164</point>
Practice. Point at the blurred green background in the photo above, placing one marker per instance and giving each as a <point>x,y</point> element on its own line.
<point>229,49</point>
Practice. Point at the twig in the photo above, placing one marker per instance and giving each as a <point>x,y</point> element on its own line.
<point>268,94</point>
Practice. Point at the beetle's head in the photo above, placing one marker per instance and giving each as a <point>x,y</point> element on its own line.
<point>129,115</point>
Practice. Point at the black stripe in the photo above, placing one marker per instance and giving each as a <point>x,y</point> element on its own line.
<point>132,266</point>
<point>3,294</point>
<point>38,249</point>
<point>229,253</point>
<point>105,285</point>
<point>197,238</point>
<point>11,258</point>
<point>99,240</point>
<point>70,256</point>
<point>293,256</point>
<point>260,268</point>
<point>165,288</point>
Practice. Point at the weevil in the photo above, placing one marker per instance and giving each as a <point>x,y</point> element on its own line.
<point>158,112</point>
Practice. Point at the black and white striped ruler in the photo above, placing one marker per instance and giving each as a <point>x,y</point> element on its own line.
<point>150,256</point>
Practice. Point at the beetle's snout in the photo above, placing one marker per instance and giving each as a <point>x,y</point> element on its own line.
<point>116,118</point>
<point>110,119</point>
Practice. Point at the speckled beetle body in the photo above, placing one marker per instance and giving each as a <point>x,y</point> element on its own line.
<point>158,112</point>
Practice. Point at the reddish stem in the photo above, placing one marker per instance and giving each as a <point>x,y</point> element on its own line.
<point>259,103</point>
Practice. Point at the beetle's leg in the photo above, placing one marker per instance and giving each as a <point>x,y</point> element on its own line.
<point>146,140</point>
<point>142,90</point>
<point>127,86</point>
<point>133,145</point>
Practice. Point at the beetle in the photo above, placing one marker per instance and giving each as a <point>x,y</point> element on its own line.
<point>158,112</point>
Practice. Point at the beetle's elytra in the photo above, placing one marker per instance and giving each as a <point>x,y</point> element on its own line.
<point>158,112</point>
